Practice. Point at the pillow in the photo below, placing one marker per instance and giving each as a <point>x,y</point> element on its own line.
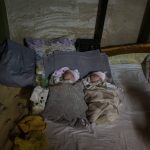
<point>85,62</point>
<point>17,65</point>
<point>48,46</point>
<point>45,47</point>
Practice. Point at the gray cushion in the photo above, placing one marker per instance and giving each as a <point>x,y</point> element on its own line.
<point>85,62</point>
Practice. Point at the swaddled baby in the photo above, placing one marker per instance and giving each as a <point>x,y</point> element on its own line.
<point>39,95</point>
<point>66,98</point>
<point>101,97</point>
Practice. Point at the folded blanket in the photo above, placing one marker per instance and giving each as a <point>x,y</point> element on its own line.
<point>65,103</point>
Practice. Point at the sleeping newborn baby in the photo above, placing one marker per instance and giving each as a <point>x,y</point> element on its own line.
<point>97,79</point>
<point>101,97</point>
<point>64,75</point>
<point>66,102</point>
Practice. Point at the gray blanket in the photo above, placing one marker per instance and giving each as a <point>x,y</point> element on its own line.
<point>65,103</point>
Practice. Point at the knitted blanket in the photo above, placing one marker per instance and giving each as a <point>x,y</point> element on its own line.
<point>65,103</point>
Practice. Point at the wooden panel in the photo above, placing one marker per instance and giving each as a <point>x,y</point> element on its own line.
<point>145,27</point>
<point>4,31</point>
<point>135,48</point>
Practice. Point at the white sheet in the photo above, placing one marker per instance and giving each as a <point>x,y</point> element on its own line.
<point>123,134</point>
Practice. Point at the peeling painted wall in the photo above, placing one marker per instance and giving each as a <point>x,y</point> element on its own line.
<point>51,18</point>
<point>123,21</point>
<point>54,18</point>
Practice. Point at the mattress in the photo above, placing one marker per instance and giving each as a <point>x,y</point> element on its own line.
<point>128,132</point>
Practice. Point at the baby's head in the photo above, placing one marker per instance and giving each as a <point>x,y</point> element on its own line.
<point>97,76</point>
<point>65,75</point>
<point>68,75</point>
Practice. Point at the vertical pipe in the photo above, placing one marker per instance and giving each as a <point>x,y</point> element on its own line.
<point>145,26</point>
<point>101,13</point>
<point>4,29</point>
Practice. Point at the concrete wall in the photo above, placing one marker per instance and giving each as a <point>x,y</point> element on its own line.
<point>51,18</point>
<point>123,21</point>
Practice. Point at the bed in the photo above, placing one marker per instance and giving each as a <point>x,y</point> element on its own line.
<point>129,132</point>
<point>123,134</point>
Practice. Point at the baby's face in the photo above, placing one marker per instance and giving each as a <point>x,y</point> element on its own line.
<point>68,75</point>
<point>95,78</point>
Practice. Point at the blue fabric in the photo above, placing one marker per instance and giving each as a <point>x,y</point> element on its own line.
<point>17,65</point>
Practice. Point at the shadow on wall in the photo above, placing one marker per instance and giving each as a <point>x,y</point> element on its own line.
<point>141,98</point>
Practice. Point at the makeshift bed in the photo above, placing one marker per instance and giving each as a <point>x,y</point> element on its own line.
<point>129,132</point>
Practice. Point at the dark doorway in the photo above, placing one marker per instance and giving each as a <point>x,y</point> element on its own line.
<point>4,30</point>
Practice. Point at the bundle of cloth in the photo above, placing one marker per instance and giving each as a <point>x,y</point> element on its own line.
<point>30,135</point>
<point>101,97</point>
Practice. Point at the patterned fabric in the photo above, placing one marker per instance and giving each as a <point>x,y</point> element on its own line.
<point>102,100</point>
<point>102,104</point>
<point>48,46</point>
<point>57,76</point>
<point>38,98</point>
<point>98,84</point>
<point>44,47</point>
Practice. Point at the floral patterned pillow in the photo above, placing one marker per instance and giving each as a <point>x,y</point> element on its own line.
<point>44,47</point>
